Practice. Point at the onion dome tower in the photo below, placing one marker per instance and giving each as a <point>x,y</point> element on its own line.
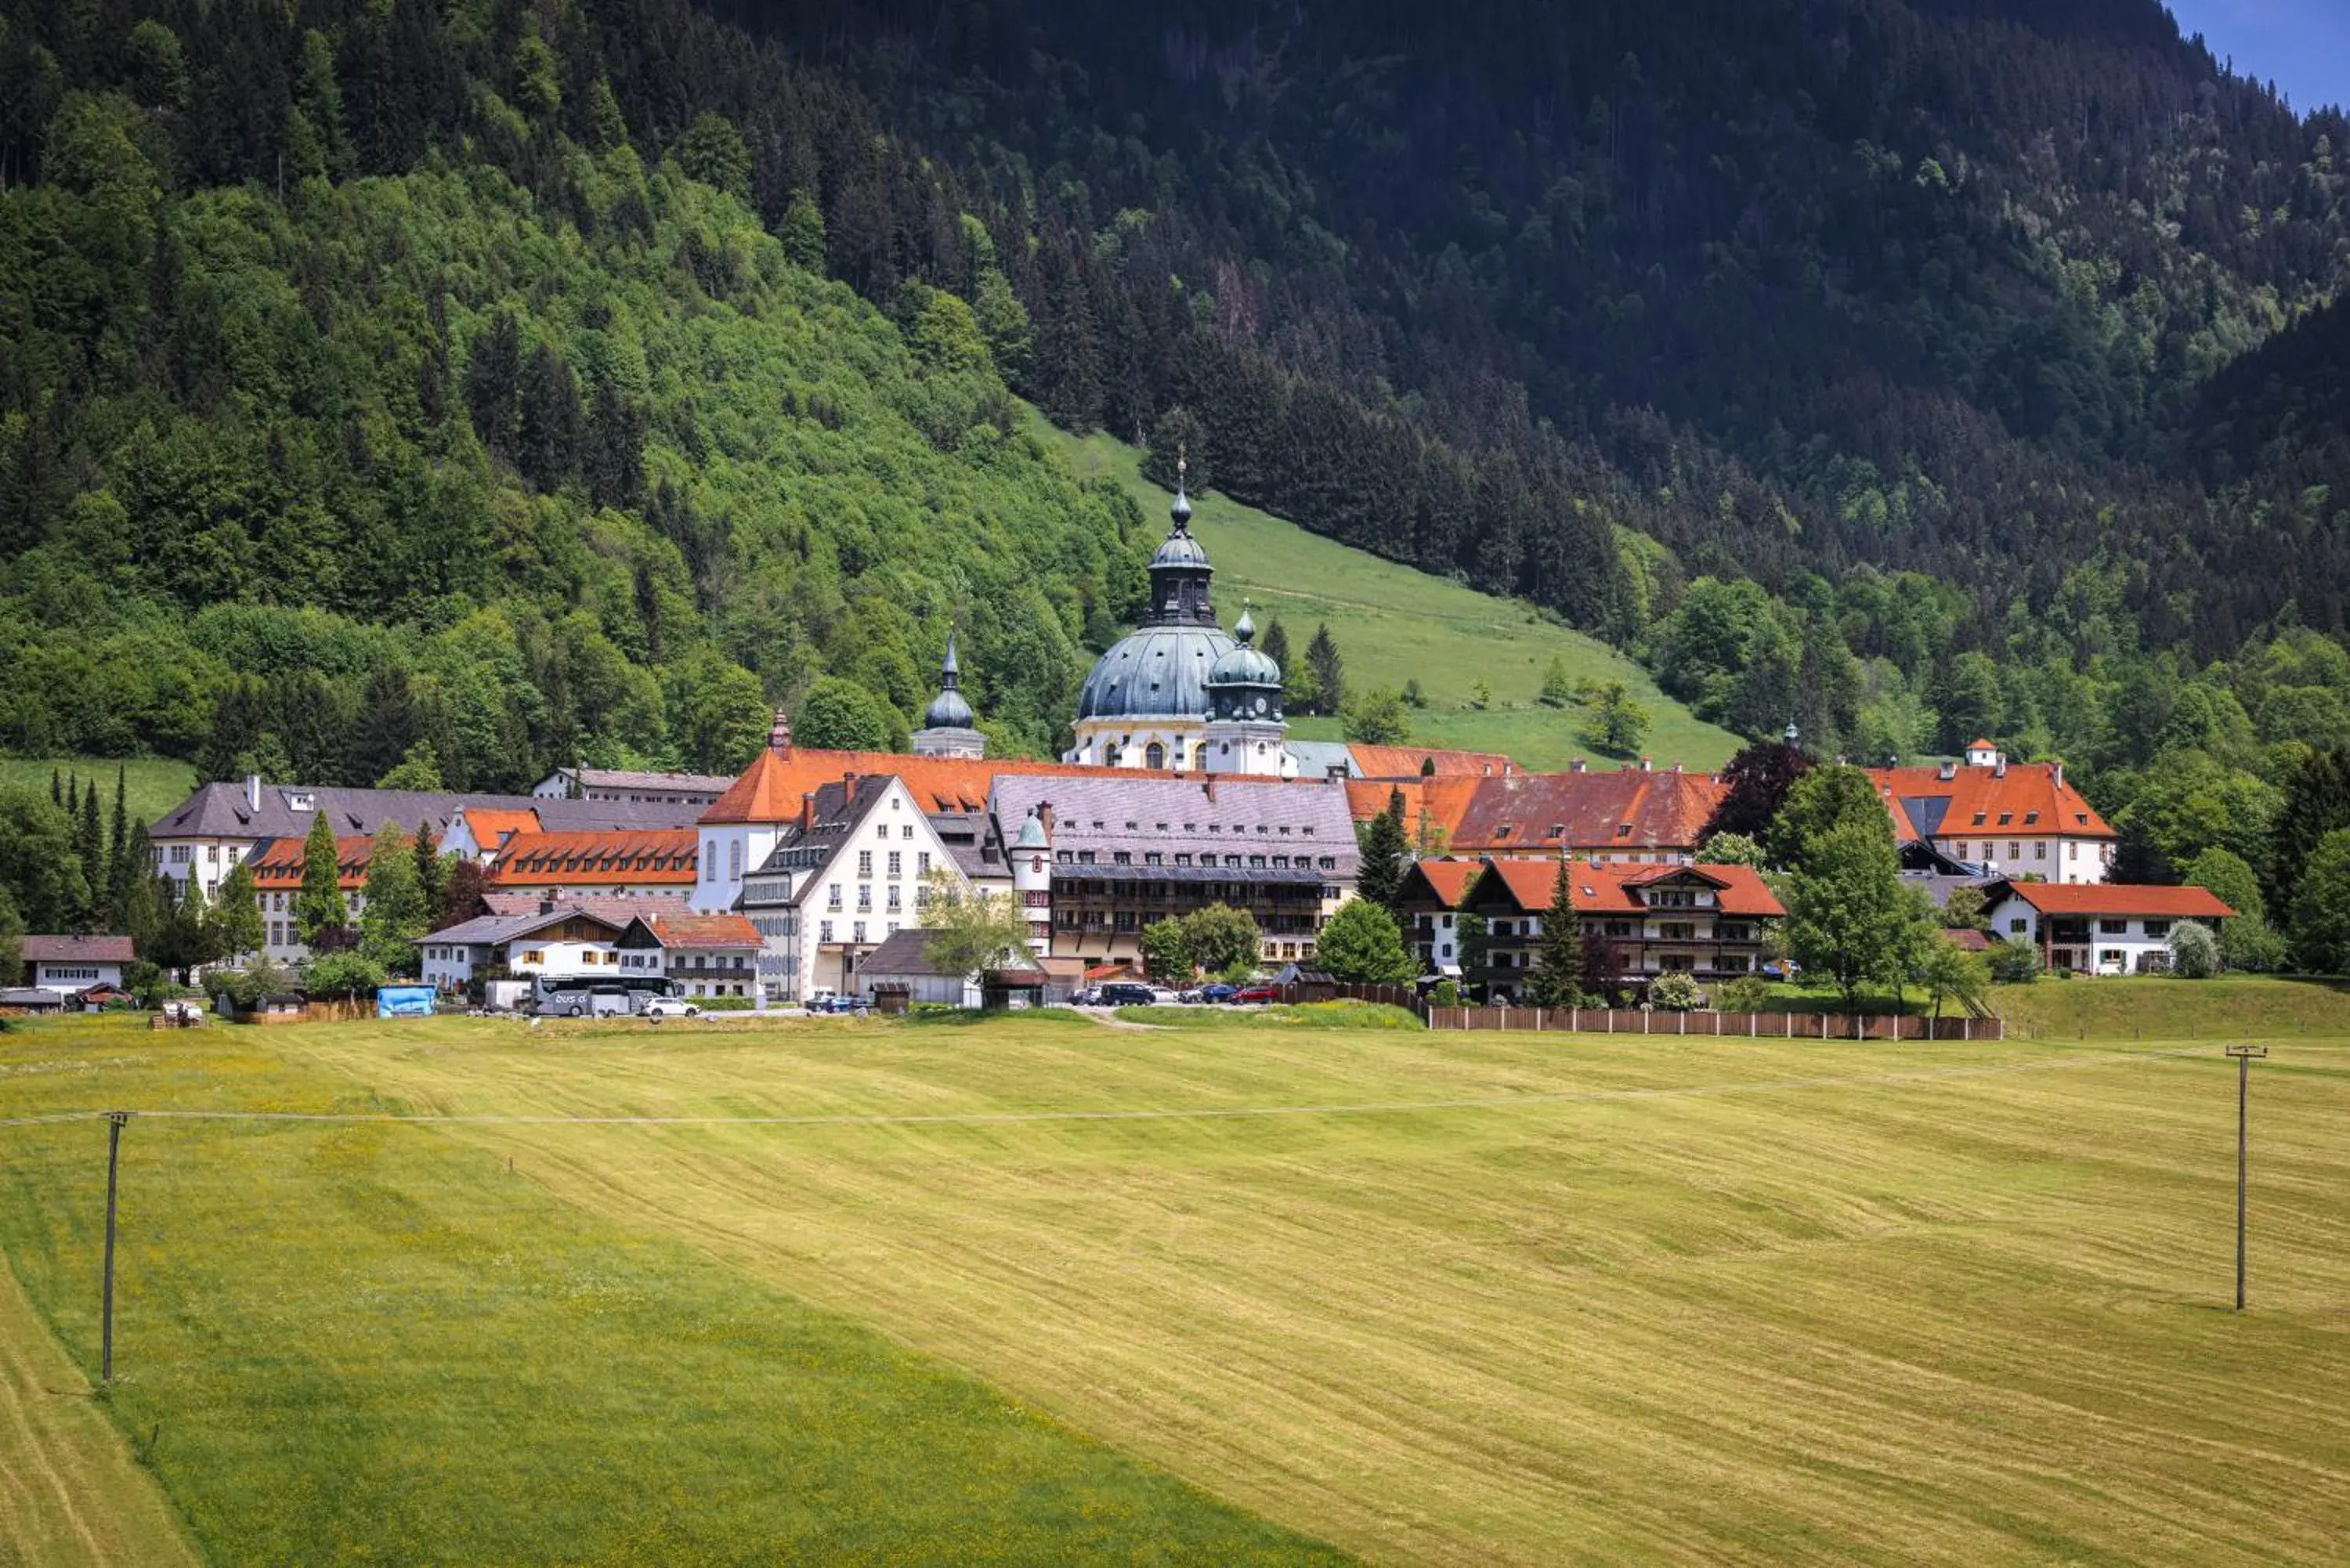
<point>950,729</point>
<point>1145,703</point>
<point>1245,730</point>
<point>1031,880</point>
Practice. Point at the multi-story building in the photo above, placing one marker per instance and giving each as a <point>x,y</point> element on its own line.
<point>277,866</point>
<point>2103,928</point>
<point>1129,851</point>
<point>560,941</point>
<point>620,863</point>
<point>709,955</point>
<point>2011,819</point>
<point>1714,922</point>
<point>620,786</point>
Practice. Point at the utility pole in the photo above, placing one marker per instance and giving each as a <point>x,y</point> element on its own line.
<point>114,1120</point>
<point>2244,1056</point>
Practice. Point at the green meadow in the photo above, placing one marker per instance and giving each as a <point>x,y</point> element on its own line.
<point>1394,624</point>
<point>151,786</point>
<point>1036,1290</point>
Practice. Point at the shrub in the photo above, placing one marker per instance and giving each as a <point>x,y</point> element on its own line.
<point>1445,993</point>
<point>1747,993</point>
<point>1673,991</point>
<point>2014,963</point>
<point>2194,951</point>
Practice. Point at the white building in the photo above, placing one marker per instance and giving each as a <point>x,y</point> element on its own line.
<point>70,965</point>
<point>564,942</point>
<point>629,788</point>
<point>2106,927</point>
<point>2014,819</point>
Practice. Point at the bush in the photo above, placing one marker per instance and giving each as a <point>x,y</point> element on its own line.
<point>2014,963</point>
<point>1747,993</point>
<point>724,1003</point>
<point>1445,993</point>
<point>2194,951</point>
<point>1673,991</point>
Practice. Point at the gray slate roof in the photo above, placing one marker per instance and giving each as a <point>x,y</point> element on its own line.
<point>227,811</point>
<point>78,950</point>
<point>489,929</point>
<point>625,778</point>
<point>1218,815</point>
<point>900,954</point>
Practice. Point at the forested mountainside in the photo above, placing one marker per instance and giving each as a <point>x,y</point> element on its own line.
<point>1886,363</point>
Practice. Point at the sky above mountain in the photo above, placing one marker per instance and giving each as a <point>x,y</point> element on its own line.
<point>2303,46</point>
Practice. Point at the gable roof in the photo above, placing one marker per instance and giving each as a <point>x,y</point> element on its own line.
<point>231,811</point>
<point>630,778</point>
<point>1418,762</point>
<point>2010,800</point>
<point>1631,808</point>
<point>78,950</point>
<point>631,858</point>
<point>277,863</point>
<point>1119,809</point>
<point>493,826</point>
<point>2113,898</point>
<point>613,906</point>
<point>492,929</point>
<point>1443,883</point>
<point>1440,802</point>
<point>900,953</point>
<point>1610,888</point>
<point>690,930</point>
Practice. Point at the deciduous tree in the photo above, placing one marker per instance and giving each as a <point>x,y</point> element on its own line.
<point>1362,946</point>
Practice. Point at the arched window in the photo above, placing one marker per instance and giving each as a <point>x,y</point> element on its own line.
<point>1109,755</point>
<point>1155,756</point>
<point>1199,756</point>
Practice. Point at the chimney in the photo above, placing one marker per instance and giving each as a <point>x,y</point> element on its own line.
<point>779,734</point>
<point>2057,771</point>
<point>849,782</point>
<point>1645,765</point>
<point>807,811</point>
<point>1210,786</point>
<point>1045,815</point>
<point>546,906</point>
<point>1576,766</point>
<point>1999,768</point>
<point>253,792</point>
<point>1677,767</point>
<point>1947,772</point>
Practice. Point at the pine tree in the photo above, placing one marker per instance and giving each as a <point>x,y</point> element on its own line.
<point>121,875</point>
<point>1274,645</point>
<point>235,918</point>
<point>615,448</point>
<point>1558,979</point>
<point>1385,854</point>
<point>1329,671</point>
<point>431,875</point>
<point>396,912</point>
<point>318,906</point>
<point>493,380</point>
<point>547,446</point>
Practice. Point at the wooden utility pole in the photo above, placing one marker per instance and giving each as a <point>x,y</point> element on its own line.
<point>114,1120</point>
<point>2244,1056</point>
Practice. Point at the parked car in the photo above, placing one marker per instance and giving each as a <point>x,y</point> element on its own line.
<point>662,1007</point>
<point>1089,996</point>
<point>1217,991</point>
<point>1127,994</point>
<point>1262,991</point>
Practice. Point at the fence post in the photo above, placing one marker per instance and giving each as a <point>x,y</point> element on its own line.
<point>1647,1021</point>
<point>1538,1013</point>
<point>1683,1018</point>
<point>1574,1021</point>
<point>1611,1017</point>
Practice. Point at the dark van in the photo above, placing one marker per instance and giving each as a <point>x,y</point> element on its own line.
<point>1126,993</point>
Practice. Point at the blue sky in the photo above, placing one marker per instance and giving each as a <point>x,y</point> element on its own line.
<point>2303,46</point>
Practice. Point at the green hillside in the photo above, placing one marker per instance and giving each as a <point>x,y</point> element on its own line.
<point>152,785</point>
<point>1393,624</point>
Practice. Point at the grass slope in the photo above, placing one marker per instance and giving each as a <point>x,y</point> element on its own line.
<point>1394,624</point>
<point>1458,1299</point>
<point>152,785</point>
<point>376,1343</point>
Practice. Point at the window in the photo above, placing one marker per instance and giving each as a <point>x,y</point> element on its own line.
<point>865,895</point>
<point>2113,928</point>
<point>2040,851</point>
<point>1330,863</point>
<point>2072,850</point>
<point>2014,850</point>
<point>896,863</point>
<point>2005,817</point>
<point>824,930</point>
<point>865,863</point>
<point>893,901</point>
<point>1182,859</point>
<point>1154,755</point>
<point>2158,928</point>
<point>1122,857</point>
<point>734,860</point>
<point>881,830</point>
<point>212,854</point>
<point>856,931</point>
<point>1152,857</point>
<point>1961,851</point>
<point>2018,924</point>
<point>535,955</point>
<point>906,830</point>
<point>922,864</point>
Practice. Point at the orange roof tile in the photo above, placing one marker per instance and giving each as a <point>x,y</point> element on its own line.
<point>279,865</point>
<point>1607,889</point>
<point>1441,800</point>
<point>1631,808</point>
<point>1446,881</point>
<point>2022,800</point>
<point>769,790</point>
<point>492,825</point>
<point>632,858</point>
<point>2121,899</point>
<point>1413,762</point>
<point>728,931</point>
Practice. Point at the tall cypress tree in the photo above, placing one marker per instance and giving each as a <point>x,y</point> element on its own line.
<point>121,875</point>
<point>1385,854</point>
<point>1329,670</point>
<point>90,845</point>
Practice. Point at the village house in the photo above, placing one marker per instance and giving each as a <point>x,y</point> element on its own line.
<point>67,966</point>
<point>1638,815</point>
<point>559,942</point>
<point>277,866</point>
<point>1713,922</point>
<point>2014,819</point>
<point>709,955</point>
<point>2103,928</point>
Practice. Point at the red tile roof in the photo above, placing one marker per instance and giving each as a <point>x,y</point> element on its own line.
<point>279,864</point>
<point>2117,899</point>
<point>78,950</point>
<point>1446,881</point>
<point>706,932</point>
<point>1608,888</point>
<point>769,790</point>
<point>2022,800</point>
<point>491,826</point>
<point>1629,809</point>
<point>1441,802</point>
<point>1412,762</point>
<point>664,857</point>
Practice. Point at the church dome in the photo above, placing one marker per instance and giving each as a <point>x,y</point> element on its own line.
<point>1180,549</point>
<point>949,710</point>
<point>1156,672</point>
<point>1244,665</point>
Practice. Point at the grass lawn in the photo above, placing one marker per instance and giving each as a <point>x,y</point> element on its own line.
<point>1394,624</point>
<point>152,785</point>
<point>1456,1298</point>
<point>368,1342</point>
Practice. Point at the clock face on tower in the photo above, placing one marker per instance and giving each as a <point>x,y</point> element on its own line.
<point>1260,705</point>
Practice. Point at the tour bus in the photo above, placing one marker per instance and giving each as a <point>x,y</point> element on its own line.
<point>577,996</point>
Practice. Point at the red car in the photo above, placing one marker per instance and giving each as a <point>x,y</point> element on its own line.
<point>1261,992</point>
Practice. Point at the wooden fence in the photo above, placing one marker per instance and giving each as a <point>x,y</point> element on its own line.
<point>1752,1025</point>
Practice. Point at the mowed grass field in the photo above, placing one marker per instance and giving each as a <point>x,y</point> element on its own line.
<point>151,786</point>
<point>1036,1290</point>
<point>1394,624</point>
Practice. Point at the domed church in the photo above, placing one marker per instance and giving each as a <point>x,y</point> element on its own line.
<point>1177,693</point>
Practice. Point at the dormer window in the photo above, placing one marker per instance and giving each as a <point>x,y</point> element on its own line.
<point>2006,817</point>
<point>2030,817</point>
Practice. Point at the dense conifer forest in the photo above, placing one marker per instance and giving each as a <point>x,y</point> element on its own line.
<point>553,378</point>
